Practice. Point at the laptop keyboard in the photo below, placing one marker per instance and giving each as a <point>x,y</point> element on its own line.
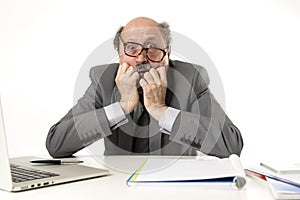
<point>21,174</point>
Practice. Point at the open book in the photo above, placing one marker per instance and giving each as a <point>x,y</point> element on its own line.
<point>226,173</point>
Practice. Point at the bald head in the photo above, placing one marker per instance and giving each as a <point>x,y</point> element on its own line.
<point>141,22</point>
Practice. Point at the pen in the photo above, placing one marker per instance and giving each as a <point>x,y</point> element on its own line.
<point>56,162</point>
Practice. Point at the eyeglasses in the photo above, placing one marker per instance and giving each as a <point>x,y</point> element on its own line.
<point>134,49</point>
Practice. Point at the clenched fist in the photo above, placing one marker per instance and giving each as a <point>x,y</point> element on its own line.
<point>154,84</point>
<point>126,80</point>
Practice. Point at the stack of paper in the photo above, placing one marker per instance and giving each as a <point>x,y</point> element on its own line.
<point>213,174</point>
<point>282,190</point>
<point>284,184</point>
<point>282,168</point>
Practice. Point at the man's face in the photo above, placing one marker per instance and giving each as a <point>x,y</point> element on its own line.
<point>143,38</point>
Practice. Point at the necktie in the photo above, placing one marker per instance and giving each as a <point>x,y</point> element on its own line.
<point>141,140</point>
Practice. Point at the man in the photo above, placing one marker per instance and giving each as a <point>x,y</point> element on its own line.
<point>147,104</point>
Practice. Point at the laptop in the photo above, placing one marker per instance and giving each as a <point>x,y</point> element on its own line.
<point>18,174</point>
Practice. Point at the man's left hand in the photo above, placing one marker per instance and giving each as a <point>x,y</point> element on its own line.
<point>154,84</point>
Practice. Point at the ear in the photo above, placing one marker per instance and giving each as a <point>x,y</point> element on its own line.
<point>120,50</point>
<point>169,53</point>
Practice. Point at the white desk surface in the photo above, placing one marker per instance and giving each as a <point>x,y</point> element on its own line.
<point>114,186</point>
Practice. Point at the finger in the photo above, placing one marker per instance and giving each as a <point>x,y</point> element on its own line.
<point>135,75</point>
<point>122,69</point>
<point>155,75</point>
<point>143,83</point>
<point>125,67</point>
<point>162,71</point>
<point>130,71</point>
<point>148,77</point>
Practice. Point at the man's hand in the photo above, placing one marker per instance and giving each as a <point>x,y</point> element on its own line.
<point>126,80</point>
<point>154,84</point>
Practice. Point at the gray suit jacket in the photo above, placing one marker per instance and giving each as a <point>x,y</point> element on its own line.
<point>201,125</point>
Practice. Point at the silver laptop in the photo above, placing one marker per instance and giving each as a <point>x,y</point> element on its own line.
<point>17,174</point>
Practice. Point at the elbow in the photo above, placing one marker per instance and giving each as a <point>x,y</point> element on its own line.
<point>229,142</point>
<point>233,140</point>
<point>235,148</point>
<point>239,147</point>
<point>55,152</point>
<point>52,152</point>
<point>53,145</point>
<point>222,151</point>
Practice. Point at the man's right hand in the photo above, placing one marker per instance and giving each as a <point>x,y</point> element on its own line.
<point>126,80</point>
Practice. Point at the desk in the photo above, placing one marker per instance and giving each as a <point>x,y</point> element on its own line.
<point>114,186</point>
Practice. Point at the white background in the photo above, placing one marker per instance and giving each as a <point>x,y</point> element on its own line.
<point>255,46</point>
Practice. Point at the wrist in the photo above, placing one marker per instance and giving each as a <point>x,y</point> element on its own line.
<point>157,111</point>
<point>125,107</point>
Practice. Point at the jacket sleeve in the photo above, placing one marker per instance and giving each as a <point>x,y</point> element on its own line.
<point>81,126</point>
<point>205,126</point>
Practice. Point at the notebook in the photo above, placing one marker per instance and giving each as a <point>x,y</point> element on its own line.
<point>281,190</point>
<point>293,179</point>
<point>18,174</point>
<point>226,173</point>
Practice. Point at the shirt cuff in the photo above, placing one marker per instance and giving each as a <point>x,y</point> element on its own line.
<point>115,115</point>
<point>167,120</point>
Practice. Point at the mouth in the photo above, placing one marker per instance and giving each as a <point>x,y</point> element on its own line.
<point>142,69</point>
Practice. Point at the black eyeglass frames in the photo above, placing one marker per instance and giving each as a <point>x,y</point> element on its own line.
<point>134,49</point>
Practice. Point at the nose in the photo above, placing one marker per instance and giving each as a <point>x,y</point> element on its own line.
<point>142,58</point>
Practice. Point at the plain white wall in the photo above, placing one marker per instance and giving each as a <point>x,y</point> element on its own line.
<point>255,46</point>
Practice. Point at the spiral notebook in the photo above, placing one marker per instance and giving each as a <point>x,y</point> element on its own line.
<point>226,173</point>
